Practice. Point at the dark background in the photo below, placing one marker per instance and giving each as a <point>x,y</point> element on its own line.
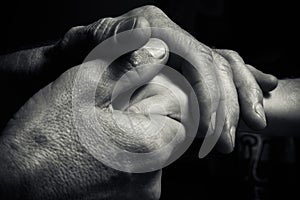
<point>264,33</point>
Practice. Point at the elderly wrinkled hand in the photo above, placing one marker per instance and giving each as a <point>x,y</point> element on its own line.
<point>222,81</point>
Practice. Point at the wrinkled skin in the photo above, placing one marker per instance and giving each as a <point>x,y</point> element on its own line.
<point>42,154</point>
<point>216,75</point>
<point>41,146</point>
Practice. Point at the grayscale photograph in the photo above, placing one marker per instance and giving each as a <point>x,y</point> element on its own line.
<point>149,100</point>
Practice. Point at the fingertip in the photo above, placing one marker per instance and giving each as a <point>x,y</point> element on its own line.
<point>273,82</point>
<point>226,142</point>
<point>158,50</point>
<point>224,147</point>
<point>255,117</point>
<point>207,124</point>
<point>267,82</point>
<point>260,114</point>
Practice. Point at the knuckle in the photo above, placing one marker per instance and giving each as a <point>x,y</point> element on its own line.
<point>227,52</point>
<point>71,33</point>
<point>153,8</point>
<point>101,29</point>
<point>153,11</point>
<point>231,52</point>
<point>256,91</point>
<point>206,52</point>
<point>217,57</point>
<point>234,56</point>
<point>73,30</point>
<point>231,55</point>
<point>222,64</point>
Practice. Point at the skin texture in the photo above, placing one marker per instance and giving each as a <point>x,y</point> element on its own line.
<point>42,157</point>
<point>231,77</point>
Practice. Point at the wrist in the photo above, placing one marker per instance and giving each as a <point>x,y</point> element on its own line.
<point>52,63</point>
<point>11,181</point>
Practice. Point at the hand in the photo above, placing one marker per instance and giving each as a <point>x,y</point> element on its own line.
<point>42,155</point>
<point>216,76</point>
<point>219,77</point>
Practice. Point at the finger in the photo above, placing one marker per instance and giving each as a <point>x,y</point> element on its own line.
<point>267,82</point>
<point>208,98</point>
<point>199,69</point>
<point>227,139</point>
<point>225,134</point>
<point>155,16</point>
<point>249,92</point>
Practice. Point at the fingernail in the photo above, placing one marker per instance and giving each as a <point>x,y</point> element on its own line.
<point>126,24</point>
<point>212,125</point>
<point>232,135</point>
<point>213,120</point>
<point>156,47</point>
<point>260,111</point>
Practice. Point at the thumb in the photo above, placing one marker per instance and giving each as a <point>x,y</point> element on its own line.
<point>132,70</point>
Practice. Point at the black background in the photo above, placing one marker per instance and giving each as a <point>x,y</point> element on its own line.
<point>264,33</point>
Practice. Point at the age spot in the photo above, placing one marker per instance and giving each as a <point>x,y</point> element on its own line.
<point>40,139</point>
